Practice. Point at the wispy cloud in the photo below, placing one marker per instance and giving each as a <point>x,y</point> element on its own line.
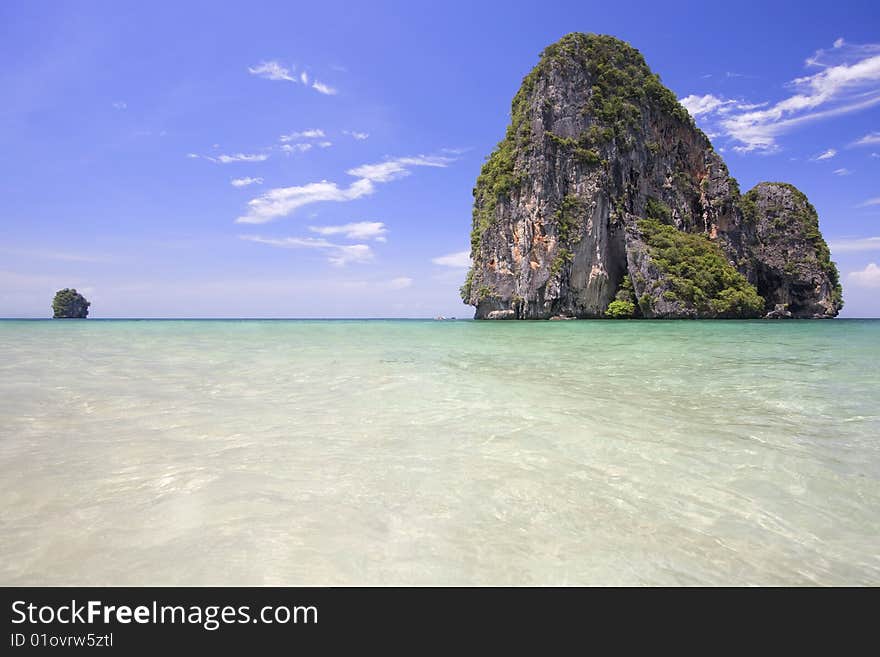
<point>855,244</point>
<point>226,159</point>
<point>826,155</point>
<point>842,172</point>
<point>848,80</point>
<point>400,282</point>
<point>337,254</point>
<point>698,105</point>
<point>394,169</point>
<point>361,230</point>
<point>245,182</point>
<point>867,277</point>
<point>360,136</point>
<point>459,259</point>
<point>300,148</point>
<point>303,146</point>
<point>870,139</point>
<point>869,202</point>
<point>272,70</point>
<point>322,88</point>
<point>242,157</point>
<point>120,105</point>
<point>314,133</point>
<point>283,201</point>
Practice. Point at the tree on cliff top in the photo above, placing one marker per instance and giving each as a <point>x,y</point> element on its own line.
<point>70,304</point>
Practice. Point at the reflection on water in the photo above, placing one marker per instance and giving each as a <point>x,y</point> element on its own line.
<point>404,452</point>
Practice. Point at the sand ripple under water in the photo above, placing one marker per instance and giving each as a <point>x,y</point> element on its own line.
<point>409,452</point>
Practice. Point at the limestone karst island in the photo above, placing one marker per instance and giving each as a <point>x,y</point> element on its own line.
<point>605,200</point>
<point>69,304</point>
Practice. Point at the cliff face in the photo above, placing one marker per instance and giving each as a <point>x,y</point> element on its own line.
<point>604,199</point>
<point>792,262</point>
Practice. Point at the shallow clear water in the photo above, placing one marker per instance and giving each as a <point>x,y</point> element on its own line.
<point>410,452</point>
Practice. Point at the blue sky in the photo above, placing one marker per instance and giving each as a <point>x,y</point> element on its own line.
<point>279,159</point>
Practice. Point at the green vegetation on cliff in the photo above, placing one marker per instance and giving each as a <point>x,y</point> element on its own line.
<point>618,309</point>
<point>622,85</point>
<point>69,304</point>
<point>622,81</point>
<point>699,274</point>
<point>623,306</point>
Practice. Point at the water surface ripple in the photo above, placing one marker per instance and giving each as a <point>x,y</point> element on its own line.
<point>419,452</point>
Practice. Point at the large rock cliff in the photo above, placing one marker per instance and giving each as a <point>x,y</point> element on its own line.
<point>605,200</point>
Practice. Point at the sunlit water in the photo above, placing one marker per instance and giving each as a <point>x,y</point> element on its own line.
<point>409,452</point>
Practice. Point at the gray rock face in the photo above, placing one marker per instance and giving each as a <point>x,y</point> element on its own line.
<point>792,265</point>
<point>501,314</point>
<point>596,146</point>
<point>779,312</point>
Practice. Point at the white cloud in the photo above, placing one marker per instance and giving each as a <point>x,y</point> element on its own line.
<point>842,172</point>
<point>459,259</point>
<point>239,157</point>
<point>697,105</point>
<point>304,77</point>
<point>867,277</point>
<point>283,201</point>
<point>400,282</point>
<point>827,155</point>
<point>272,70</point>
<point>838,43</point>
<point>290,148</point>
<point>855,244</point>
<point>226,159</point>
<point>314,133</point>
<point>337,254</point>
<point>360,136</point>
<point>849,81</point>
<point>244,182</point>
<point>870,202</point>
<point>361,230</point>
<point>120,105</point>
<point>325,144</point>
<point>393,169</point>
<point>870,139</point>
<point>322,88</point>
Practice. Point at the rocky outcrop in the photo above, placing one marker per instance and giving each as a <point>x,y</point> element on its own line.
<point>69,304</point>
<point>792,263</point>
<point>604,199</point>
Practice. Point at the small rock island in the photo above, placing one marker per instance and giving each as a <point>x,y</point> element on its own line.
<point>69,304</point>
<point>605,200</point>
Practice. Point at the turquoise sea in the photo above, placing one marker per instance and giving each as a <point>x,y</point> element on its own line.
<point>423,452</point>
